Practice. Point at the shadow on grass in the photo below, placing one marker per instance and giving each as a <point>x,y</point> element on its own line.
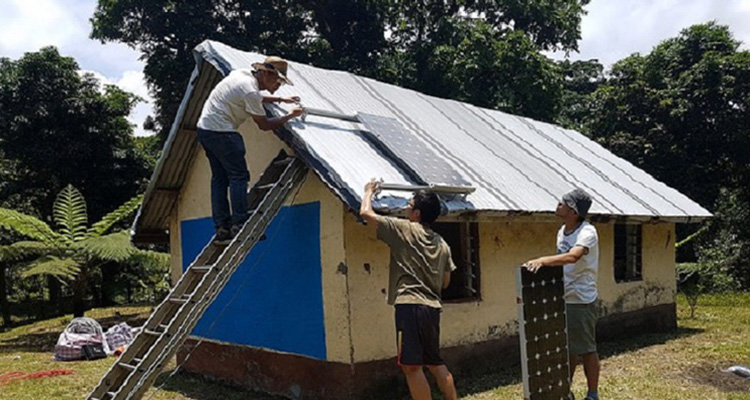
<point>196,386</point>
<point>485,378</point>
<point>45,340</point>
<point>615,347</point>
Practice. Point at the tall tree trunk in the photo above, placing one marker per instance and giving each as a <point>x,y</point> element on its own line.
<point>4,297</point>
<point>79,295</point>
<point>109,274</point>
<point>54,296</point>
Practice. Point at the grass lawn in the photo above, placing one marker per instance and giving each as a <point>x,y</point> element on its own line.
<point>682,365</point>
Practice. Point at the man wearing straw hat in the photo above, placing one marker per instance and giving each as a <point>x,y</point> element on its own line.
<point>235,99</point>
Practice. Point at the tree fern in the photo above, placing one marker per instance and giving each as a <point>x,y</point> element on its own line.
<point>115,216</point>
<point>64,269</point>
<point>69,212</point>
<point>23,250</point>
<point>28,226</point>
<point>113,247</point>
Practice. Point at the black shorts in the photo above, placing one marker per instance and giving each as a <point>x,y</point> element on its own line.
<point>418,334</point>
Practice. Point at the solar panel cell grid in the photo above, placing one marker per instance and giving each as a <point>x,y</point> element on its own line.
<point>543,334</point>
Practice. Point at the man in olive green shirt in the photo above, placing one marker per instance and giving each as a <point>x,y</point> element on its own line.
<point>420,268</point>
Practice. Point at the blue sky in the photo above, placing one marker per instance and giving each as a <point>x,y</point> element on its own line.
<point>612,30</point>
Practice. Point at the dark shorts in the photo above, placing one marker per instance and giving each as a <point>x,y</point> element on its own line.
<point>581,328</point>
<point>418,334</point>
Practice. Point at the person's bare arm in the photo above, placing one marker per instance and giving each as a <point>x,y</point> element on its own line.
<point>365,210</point>
<point>275,99</point>
<point>269,124</point>
<point>446,279</point>
<point>570,257</point>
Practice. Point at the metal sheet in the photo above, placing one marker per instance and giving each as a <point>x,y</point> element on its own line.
<point>517,165</point>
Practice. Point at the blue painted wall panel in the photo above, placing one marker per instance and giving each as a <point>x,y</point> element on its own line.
<point>274,299</point>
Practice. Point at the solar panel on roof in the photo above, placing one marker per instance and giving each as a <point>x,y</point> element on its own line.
<point>543,334</point>
<point>430,167</point>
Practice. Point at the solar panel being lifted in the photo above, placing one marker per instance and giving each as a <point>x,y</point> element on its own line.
<point>543,334</point>
<point>421,160</point>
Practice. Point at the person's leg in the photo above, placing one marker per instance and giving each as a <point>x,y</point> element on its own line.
<point>428,319</point>
<point>582,320</point>
<point>444,381</point>
<point>591,368</point>
<point>211,143</point>
<point>573,361</point>
<point>236,167</point>
<point>410,357</point>
<point>419,388</point>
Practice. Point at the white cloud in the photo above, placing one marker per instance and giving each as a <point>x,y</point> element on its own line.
<point>613,30</point>
<point>28,26</point>
<point>133,82</point>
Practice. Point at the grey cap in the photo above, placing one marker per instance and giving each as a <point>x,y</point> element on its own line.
<point>579,201</point>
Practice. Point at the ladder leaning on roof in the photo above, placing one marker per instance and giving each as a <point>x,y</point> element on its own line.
<point>177,315</point>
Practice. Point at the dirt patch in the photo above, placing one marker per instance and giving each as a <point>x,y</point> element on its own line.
<point>712,374</point>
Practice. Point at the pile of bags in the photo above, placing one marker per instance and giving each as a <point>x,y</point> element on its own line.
<point>84,339</point>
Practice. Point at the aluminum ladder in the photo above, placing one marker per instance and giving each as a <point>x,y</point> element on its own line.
<point>173,320</point>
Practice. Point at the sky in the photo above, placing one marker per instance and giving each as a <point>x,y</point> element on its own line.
<point>612,30</point>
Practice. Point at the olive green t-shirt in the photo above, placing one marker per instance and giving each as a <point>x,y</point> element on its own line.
<point>419,259</point>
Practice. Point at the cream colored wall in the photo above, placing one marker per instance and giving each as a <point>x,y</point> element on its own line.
<point>502,246</point>
<point>262,147</point>
<point>658,260</point>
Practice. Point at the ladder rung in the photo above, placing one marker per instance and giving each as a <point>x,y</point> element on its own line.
<point>164,327</point>
<point>283,161</point>
<point>177,300</point>
<point>127,366</point>
<point>201,269</point>
<point>266,187</point>
<point>150,332</point>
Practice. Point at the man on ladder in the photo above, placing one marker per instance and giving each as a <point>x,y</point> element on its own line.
<point>235,99</point>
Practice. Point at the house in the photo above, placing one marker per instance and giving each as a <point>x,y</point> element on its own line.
<point>305,316</point>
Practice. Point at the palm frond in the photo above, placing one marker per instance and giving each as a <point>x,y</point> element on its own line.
<point>20,251</point>
<point>115,216</point>
<point>28,226</point>
<point>64,269</point>
<point>113,247</point>
<point>69,212</point>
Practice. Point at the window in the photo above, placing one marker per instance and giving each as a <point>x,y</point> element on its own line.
<point>463,239</point>
<point>628,245</point>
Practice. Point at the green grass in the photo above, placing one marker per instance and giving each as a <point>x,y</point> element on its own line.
<point>682,365</point>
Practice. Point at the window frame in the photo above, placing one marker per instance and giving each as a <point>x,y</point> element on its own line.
<point>466,258</point>
<point>628,253</point>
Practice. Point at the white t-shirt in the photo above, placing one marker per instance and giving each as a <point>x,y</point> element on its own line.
<point>235,99</point>
<point>580,278</point>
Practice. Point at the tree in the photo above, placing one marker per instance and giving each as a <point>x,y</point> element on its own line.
<point>681,112</point>
<point>75,250</point>
<point>58,127</point>
<point>580,80</point>
<point>400,42</point>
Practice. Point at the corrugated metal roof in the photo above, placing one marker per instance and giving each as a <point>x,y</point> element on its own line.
<point>515,163</point>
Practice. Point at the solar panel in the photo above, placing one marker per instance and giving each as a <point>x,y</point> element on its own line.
<point>543,334</point>
<point>428,166</point>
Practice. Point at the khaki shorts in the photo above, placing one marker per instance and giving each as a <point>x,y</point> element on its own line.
<point>581,328</point>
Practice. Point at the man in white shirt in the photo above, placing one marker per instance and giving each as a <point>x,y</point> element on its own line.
<point>235,99</point>
<point>578,253</point>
